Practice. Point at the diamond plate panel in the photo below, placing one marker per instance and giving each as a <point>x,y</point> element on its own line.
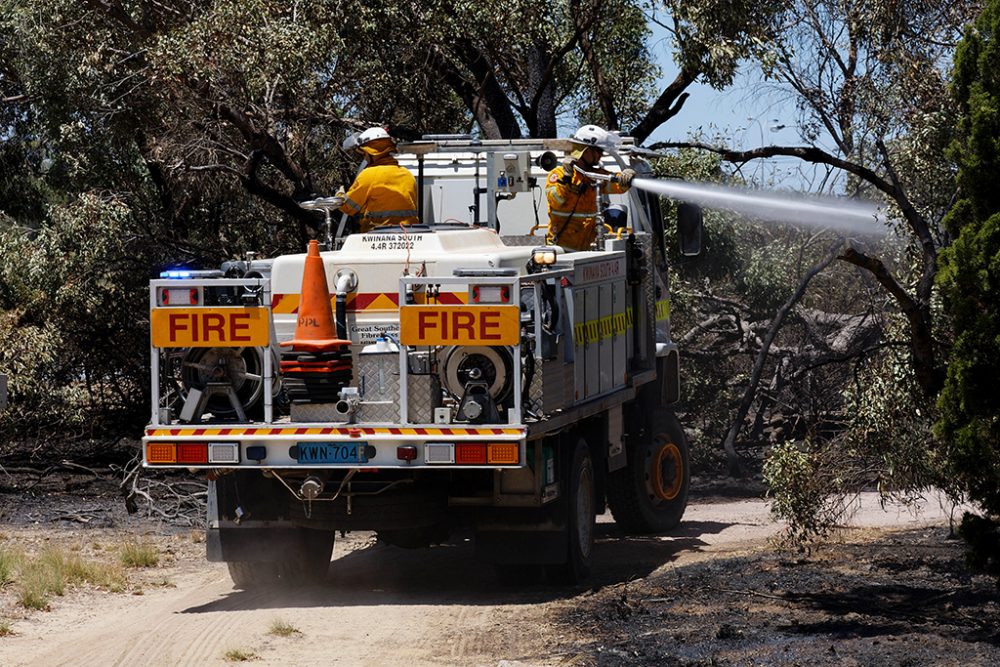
<point>424,395</point>
<point>524,240</point>
<point>315,412</point>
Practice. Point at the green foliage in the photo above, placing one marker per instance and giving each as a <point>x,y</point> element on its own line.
<point>800,488</point>
<point>764,278</point>
<point>970,282</point>
<point>73,300</point>
<point>716,36</point>
<point>885,443</point>
<point>889,442</point>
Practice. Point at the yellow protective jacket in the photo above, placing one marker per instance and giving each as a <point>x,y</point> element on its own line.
<point>384,193</point>
<point>573,206</point>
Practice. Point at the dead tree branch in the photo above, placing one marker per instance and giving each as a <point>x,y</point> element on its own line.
<point>729,444</point>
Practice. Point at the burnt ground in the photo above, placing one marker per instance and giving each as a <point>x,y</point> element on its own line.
<point>867,598</point>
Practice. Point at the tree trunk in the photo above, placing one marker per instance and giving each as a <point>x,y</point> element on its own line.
<point>544,112</point>
<point>605,98</point>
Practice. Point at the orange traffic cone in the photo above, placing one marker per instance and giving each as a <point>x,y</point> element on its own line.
<point>315,330</point>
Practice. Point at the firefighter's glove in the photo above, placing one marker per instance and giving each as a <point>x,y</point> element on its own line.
<point>624,177</point>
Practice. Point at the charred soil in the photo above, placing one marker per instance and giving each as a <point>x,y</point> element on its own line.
<point>866,597</point>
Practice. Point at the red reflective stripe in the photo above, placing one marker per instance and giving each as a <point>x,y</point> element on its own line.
<point>448,298</point>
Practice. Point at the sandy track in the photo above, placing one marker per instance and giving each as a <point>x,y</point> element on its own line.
<point>382,606</point>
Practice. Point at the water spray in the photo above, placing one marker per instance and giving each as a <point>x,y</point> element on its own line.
<point>845,215</point>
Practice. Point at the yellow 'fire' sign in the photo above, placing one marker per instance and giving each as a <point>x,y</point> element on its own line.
<point>459,325</point>
<point>210,327</point>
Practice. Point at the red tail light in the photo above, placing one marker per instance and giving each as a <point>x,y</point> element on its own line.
<point>470,453</point>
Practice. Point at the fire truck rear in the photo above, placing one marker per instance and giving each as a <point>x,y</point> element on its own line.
<point>471,380</point>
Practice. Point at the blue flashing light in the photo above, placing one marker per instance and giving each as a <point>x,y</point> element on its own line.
<point>173,275</point>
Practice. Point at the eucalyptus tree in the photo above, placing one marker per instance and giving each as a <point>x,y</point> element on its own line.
<point>869,83</point>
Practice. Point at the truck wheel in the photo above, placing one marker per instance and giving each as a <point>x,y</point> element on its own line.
<point>308,564</point>
<point>580,519</point>
<point>247,575</point>
<point>312,561</point>
<point>649,494</point>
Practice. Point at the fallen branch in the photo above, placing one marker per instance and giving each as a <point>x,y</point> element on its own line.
<point>750,393</point>
<point>180,502</point>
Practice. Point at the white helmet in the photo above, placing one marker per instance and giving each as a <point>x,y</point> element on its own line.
<point>591,135</point>
<point>372,134</point>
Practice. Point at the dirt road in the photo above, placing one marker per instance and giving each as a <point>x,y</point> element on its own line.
<point>381,606</point>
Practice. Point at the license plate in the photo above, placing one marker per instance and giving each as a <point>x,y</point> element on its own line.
<point>332,452</point>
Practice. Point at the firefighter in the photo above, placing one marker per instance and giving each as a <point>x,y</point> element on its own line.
<point>572,197</point>
<point>383,193</point>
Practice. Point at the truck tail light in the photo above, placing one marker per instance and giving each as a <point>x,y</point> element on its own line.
<point>503,453</point>
<point>195,452</point>
<point>406,453</point>
<point>161,452</point>
<point>470,453</point>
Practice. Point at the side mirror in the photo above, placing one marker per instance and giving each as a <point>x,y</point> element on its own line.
<point>689,226</point>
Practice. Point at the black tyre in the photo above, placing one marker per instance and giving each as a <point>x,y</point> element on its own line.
<point>649,495</point>
<point>308,564</point>
<point>247,574</point>
<point>579,506</point>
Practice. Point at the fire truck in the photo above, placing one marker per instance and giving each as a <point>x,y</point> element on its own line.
<point>477,379</point>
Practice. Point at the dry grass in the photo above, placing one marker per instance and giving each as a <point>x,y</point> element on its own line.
<point>139,554</point>
<point>5,629</point>
<point>50,572</point>
<point>10,561</point>
<point>280,628</point>
<point>240,655</point>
